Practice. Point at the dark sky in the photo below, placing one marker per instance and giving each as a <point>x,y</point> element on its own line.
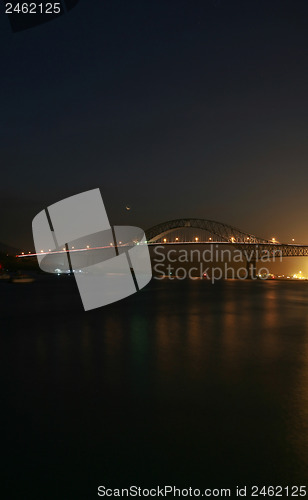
<point>177,108</point>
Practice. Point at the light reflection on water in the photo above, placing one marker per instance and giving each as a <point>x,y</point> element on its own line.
<point>182,382</point>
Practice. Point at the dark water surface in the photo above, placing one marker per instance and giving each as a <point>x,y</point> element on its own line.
<point>184,383</point>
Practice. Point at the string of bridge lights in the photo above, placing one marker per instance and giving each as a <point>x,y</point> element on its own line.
<point>196,239</point>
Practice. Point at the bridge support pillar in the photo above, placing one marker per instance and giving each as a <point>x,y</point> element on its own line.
<point>251,267</point>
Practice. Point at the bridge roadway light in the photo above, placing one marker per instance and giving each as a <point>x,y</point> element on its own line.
<point>176,239</point>
<point>196,239</point>
<point>210,239</point>
<point>273,240</point>
<point>165,240</point>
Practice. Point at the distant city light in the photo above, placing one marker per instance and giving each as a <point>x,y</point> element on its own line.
<point>299,276</point>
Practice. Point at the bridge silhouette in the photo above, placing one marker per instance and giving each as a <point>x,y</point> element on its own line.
<point>209,232</point>
<point>221,233</point>
<point>205,232</point>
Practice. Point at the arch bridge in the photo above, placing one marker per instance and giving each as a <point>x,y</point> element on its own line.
<point>218,233</point>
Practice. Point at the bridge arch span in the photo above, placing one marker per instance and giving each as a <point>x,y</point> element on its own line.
<point>223,232</point>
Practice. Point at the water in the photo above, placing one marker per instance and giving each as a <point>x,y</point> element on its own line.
<point>185,383</point>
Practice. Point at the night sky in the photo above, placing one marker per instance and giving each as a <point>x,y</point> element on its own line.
<point>177,108</point>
